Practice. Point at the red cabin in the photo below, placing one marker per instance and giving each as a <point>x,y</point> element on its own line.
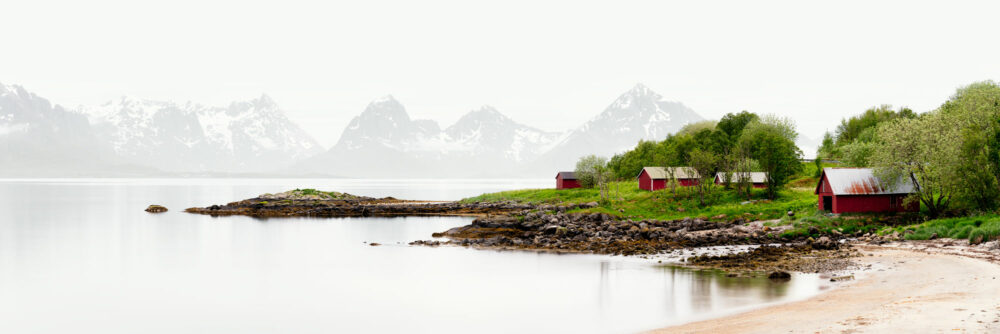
<point>842,190</point>
<point>655,178</point>
<point>566,180</point>
<point>758,179</point>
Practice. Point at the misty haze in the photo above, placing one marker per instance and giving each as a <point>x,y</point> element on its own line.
<point>441,166</point>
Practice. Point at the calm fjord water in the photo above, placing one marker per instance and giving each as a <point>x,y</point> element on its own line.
<point>80,255</point>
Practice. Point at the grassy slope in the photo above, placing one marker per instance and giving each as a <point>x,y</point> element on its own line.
<point>627,200</point>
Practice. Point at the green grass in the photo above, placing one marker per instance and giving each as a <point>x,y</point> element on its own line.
<point>974,228</point>
<point>627,200</point>
<point>825,223</point>
<point>806,178</point>
<point>325,194</point>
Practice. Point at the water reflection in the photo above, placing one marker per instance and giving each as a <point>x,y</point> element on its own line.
<point>86,254</point>
<point>714,290</point>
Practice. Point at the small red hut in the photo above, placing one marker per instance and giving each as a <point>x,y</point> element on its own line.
<point>566,180</point>
<point>758,179</point>
<point>655,178</point>
<point>843,190</point>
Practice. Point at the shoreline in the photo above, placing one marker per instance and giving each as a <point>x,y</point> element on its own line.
<point>907,287</point>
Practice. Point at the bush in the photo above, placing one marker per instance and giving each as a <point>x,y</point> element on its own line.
<point>984,233</point>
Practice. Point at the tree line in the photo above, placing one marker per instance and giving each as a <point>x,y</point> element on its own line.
<point>739,143</point>
<point>952,152</point>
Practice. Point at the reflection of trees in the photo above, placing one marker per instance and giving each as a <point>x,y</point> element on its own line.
<point>712,288</point>
<point>602,289</point>
<point>701,291</point>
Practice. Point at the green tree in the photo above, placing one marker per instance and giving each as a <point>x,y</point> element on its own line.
<point>827,148</point>
<point>926,148</point>
<point>819,167</point>
<point>692,128</point>
<point>976,109</point>
<point>732,124</point>
<point>771,141</point>
<point>705,163</point>
<point>592,171</point>
<point>853,128</point>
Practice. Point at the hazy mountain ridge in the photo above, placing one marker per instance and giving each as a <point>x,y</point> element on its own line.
<point>246,136</point>
<point>384,141</point>
<point>256,137</point>
<point>130,136</point>
<point>638,114</point>
<point>39,138</point>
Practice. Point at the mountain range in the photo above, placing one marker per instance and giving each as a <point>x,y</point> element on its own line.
<point>246,136</point>
<point>384,141</point>
<point>137,136</point>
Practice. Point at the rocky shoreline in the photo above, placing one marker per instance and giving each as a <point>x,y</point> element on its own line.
<point>601,233</point>
<point>563,228</point>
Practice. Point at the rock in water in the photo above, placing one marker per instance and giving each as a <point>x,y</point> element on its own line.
<point>780,275</point>
<point>156,208</point>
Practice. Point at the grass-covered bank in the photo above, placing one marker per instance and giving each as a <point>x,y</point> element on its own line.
<point>976,229</point>
<point>628,201</point>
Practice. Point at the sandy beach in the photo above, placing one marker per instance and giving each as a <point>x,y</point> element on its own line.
<point>909,288</point>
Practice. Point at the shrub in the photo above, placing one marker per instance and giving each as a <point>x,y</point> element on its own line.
<point>984,234</point>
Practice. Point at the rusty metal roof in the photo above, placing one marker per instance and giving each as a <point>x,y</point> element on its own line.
<point>862,181</point>
<point>755,177</point>
<point>567,175</point>
<point>660,173</point>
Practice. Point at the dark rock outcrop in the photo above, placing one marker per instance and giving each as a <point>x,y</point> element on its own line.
<point>156,208</point>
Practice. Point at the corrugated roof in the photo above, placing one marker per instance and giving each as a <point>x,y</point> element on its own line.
<point>862,181</point>
<point>660,173</point>
<point>567,175</point>
<point>755,177</point>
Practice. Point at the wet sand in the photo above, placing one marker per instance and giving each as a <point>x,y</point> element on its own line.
<point>908,289</point>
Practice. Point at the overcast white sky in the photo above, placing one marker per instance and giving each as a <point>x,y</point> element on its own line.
<point>549,64</point>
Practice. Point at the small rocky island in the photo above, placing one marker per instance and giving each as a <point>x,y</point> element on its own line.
<point>154,208</point>
<point>315,203</point>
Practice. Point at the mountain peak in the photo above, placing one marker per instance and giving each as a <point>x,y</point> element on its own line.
<point>486,111</point>
<point>10,89</point>
<point>388,98</point>
<point>640,90</point>
<point>264,99</point>
<point>639,87</point>
<point>638,96</point>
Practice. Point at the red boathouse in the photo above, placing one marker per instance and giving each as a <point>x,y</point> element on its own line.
<point>566,180</point>
<point>759,179</point>
<point>655,178</point>
<point>842,190</point>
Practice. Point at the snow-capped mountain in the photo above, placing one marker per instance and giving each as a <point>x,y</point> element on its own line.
<point>488,132</point>
<point>38,138</point>
<point>383,139</point>
<point>249,136</point>
<point>131,136</point>
<point>385,123</point>
<point>638,114</point>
